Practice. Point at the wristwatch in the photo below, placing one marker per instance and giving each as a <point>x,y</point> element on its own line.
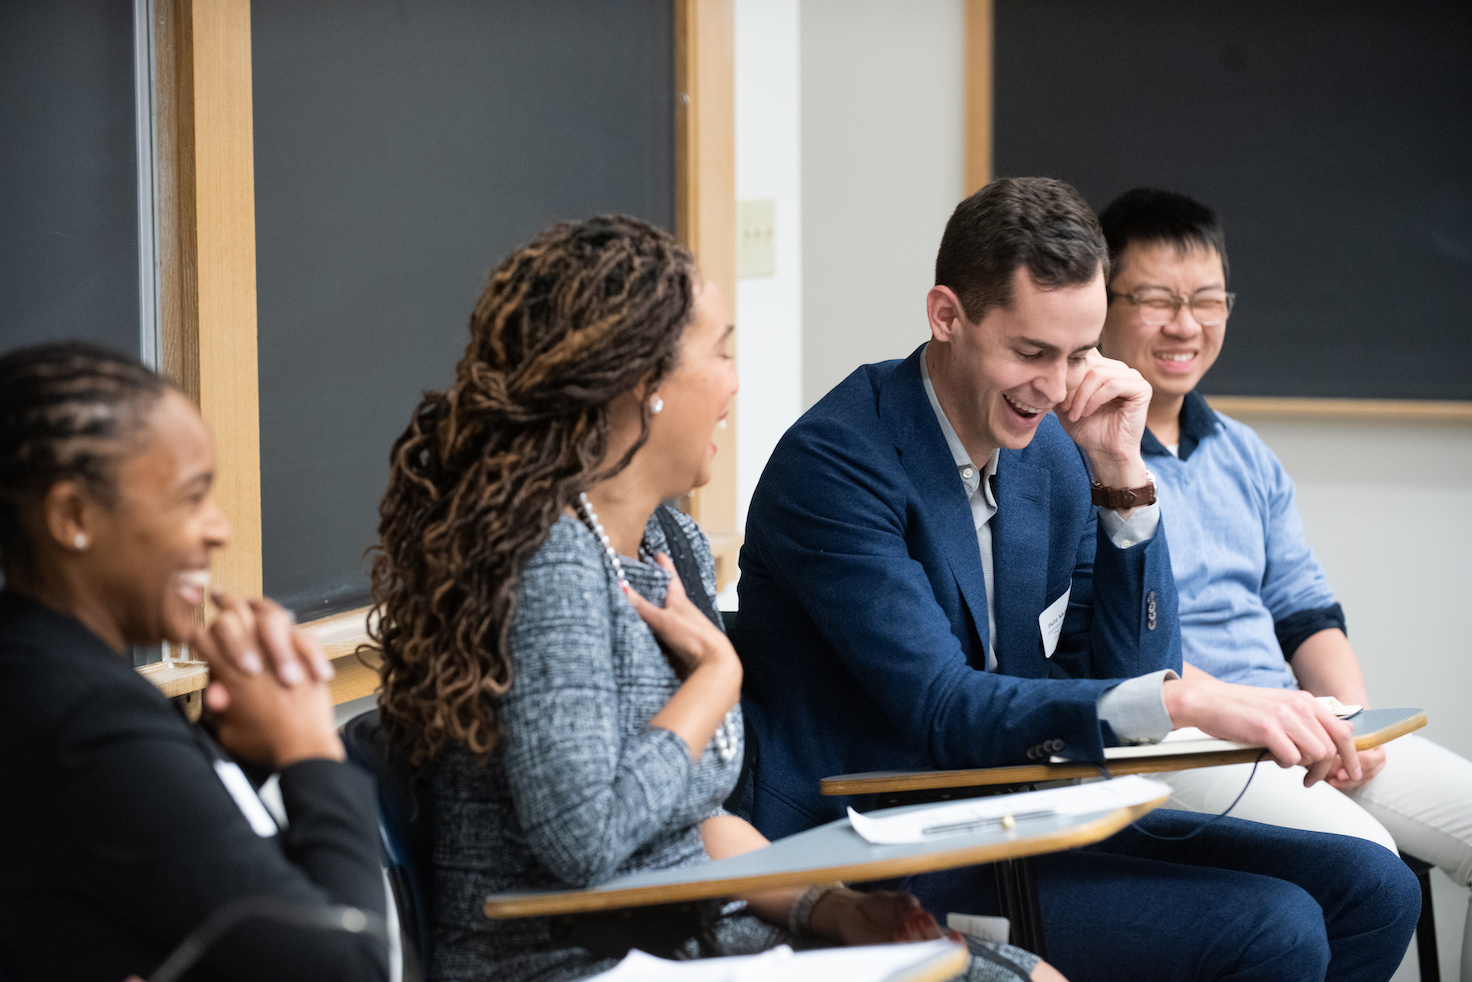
<point>1121,498</point>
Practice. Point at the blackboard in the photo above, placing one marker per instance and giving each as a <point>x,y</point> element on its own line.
<point>68,174</point>
<point>402,149</point>
<point>1334,138</point>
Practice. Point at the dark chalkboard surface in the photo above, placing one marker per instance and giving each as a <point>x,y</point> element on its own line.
<point>402,149</point>
<point>1334,138</point>
<point>68,174</point>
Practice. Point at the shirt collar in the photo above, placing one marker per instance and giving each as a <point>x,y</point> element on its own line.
<point>967,470</point>
<point>1198,421</point>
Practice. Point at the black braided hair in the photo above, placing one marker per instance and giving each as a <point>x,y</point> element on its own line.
<point>68,412</point>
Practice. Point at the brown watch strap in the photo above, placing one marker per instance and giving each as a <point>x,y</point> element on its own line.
<point>1121,498</point>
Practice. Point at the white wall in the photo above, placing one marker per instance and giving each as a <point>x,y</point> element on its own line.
<point>882,155</point>
<point>769,351</point>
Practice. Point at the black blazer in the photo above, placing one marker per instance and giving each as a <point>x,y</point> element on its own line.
<point>117,836</point>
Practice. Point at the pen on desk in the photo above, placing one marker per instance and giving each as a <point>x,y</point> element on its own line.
<point>1005,821</point>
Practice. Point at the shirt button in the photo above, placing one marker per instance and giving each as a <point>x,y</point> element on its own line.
<point>966,473</point>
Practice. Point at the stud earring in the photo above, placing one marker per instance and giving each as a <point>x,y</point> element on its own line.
<point>656,404</point>
<point>80,541</point>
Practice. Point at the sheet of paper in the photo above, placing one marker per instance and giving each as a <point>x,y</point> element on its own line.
<point>979,814</point>
<point>1186,740</point>
<point>1050,622</point>
<point>1190,740</point>
<point>864,963</point>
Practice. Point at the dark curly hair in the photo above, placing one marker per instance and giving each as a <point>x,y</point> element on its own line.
<point>580,315</point>
<point>68,412</point>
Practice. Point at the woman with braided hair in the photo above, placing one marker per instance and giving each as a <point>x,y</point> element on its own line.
<point>124,829</point>
<point>572,703</point>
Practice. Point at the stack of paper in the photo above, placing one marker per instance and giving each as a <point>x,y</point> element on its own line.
<point>1186,740</point>
<point>1005,811</point>
<point>865,963</point>
<point>1190,740</point>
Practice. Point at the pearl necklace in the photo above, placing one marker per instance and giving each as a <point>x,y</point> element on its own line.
<point>725,737</point>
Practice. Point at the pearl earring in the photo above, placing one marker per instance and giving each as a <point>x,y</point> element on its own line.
<point>656,404</point>
<point>80,541</point>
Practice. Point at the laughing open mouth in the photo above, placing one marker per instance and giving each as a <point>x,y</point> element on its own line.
<point>192,585</point>
<point>1022,410</point>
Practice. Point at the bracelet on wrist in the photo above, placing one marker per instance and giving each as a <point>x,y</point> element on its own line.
<point>1123,498</point>
<point>800,915</point>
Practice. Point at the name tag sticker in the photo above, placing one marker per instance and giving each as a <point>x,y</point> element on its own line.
<point>1051,621</point>
<point>246,799</point>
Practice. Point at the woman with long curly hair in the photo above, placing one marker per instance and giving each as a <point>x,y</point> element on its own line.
<point>574,705</point>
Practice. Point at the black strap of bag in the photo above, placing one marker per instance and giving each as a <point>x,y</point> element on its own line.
<point>686,565</point>
<point>683,556</point>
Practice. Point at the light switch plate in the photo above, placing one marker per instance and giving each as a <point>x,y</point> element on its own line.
<point>756,230</point>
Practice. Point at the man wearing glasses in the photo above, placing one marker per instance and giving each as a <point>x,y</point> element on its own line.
<point>1255,605</point>
<point>929,581</point>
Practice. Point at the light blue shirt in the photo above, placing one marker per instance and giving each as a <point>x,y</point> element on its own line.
<point>1244,573</point>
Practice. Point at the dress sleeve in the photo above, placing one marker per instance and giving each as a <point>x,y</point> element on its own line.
<point>164,845</point>
<point>588,794</point>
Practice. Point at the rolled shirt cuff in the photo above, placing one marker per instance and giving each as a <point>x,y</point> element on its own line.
<point>1135,708</point>
<point>1126,532</point>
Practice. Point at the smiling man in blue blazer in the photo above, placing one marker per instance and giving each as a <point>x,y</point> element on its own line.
<point>955,560</point>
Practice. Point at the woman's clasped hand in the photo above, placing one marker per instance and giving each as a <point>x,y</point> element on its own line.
<point>273,717</point>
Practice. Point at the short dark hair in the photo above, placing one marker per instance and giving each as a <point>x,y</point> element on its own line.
<point>67,413</point>
<point>1036,222</point>
<point>1153,216</point>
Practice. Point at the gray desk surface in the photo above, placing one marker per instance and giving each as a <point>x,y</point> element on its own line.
<point>821,855</point>
<point>1372,728</point>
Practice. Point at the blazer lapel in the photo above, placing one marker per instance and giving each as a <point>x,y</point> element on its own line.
<point>1018,528</point>
<point>905,408</point>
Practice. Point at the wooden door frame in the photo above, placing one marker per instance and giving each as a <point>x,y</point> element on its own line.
<point>205,240</point>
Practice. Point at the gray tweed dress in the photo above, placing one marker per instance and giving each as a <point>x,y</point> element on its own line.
<point>581,789</point>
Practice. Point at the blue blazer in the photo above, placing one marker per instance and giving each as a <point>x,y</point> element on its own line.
<point>863,616</point>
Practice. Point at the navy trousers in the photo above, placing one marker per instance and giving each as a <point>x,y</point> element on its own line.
<point>1238,901</point>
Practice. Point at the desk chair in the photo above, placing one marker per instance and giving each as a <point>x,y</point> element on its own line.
<point>403,826</point>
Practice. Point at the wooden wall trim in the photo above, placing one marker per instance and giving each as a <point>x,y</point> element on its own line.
<point>1347,410</point>
<point>979,98</point>
<point>178,300</point>
<point>341,636</point>
<point>175,677</point>
<point>206,201</point>
<point>224,175</point>
<point>705,209</point>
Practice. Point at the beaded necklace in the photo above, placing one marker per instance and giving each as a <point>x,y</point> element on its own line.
<point>725,735</point>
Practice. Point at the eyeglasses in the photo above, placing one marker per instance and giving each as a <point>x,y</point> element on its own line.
<point>1159,307</point>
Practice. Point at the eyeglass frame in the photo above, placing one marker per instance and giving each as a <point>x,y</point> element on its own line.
<point>1180,301</point>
